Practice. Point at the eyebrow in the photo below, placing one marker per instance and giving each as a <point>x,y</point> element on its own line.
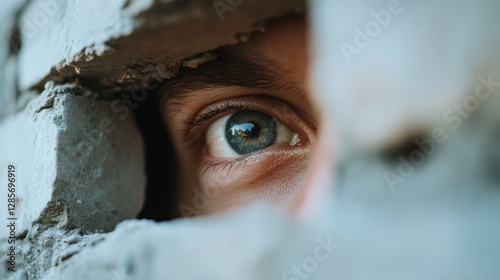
<point>234,66</point>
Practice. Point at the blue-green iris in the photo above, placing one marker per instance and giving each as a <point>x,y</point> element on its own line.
<point>250,131</point>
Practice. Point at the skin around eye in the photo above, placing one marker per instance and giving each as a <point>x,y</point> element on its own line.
<point>268,167</point>
<point>270,173</point>
<point>275,174</point>
<point>245,132</point>
<point>236,128</point>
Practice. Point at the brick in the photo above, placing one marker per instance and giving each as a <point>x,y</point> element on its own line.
<point>73,171</point>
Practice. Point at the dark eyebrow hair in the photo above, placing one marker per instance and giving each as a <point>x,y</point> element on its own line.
<point>237,65</point>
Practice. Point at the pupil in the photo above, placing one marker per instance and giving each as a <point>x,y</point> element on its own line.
<point>250,131</point>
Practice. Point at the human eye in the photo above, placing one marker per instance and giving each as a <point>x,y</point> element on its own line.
<point>249,129</point>
<point>244,132</point>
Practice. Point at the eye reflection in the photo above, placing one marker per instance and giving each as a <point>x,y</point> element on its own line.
<point>250,131</point>
<point>246,132</point>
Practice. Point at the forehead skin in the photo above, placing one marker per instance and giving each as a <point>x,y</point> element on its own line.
<point>285,42</point>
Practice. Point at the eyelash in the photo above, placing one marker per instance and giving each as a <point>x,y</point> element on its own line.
<point>218,165</point>
<point>222,108</point>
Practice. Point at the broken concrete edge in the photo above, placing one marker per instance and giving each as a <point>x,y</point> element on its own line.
<point>93,174</point>
<point>41,248</point>
<point>135,50</point>
<point>59,129</point>
<point>69,254</point>
<point>49,252</point>
<point>59,209</point>
<point>100,161</point>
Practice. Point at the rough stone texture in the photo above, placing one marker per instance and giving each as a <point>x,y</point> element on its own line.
<point>201,247</point>
<point>45,247</point>
<point>72,172</point>
<point>118,44</point>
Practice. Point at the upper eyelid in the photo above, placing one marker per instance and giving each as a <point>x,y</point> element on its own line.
<point>232,104</point>
<point>201,118</point>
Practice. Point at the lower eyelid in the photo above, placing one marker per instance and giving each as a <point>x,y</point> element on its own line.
<point>224,166</point>
<point>229,170</point>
